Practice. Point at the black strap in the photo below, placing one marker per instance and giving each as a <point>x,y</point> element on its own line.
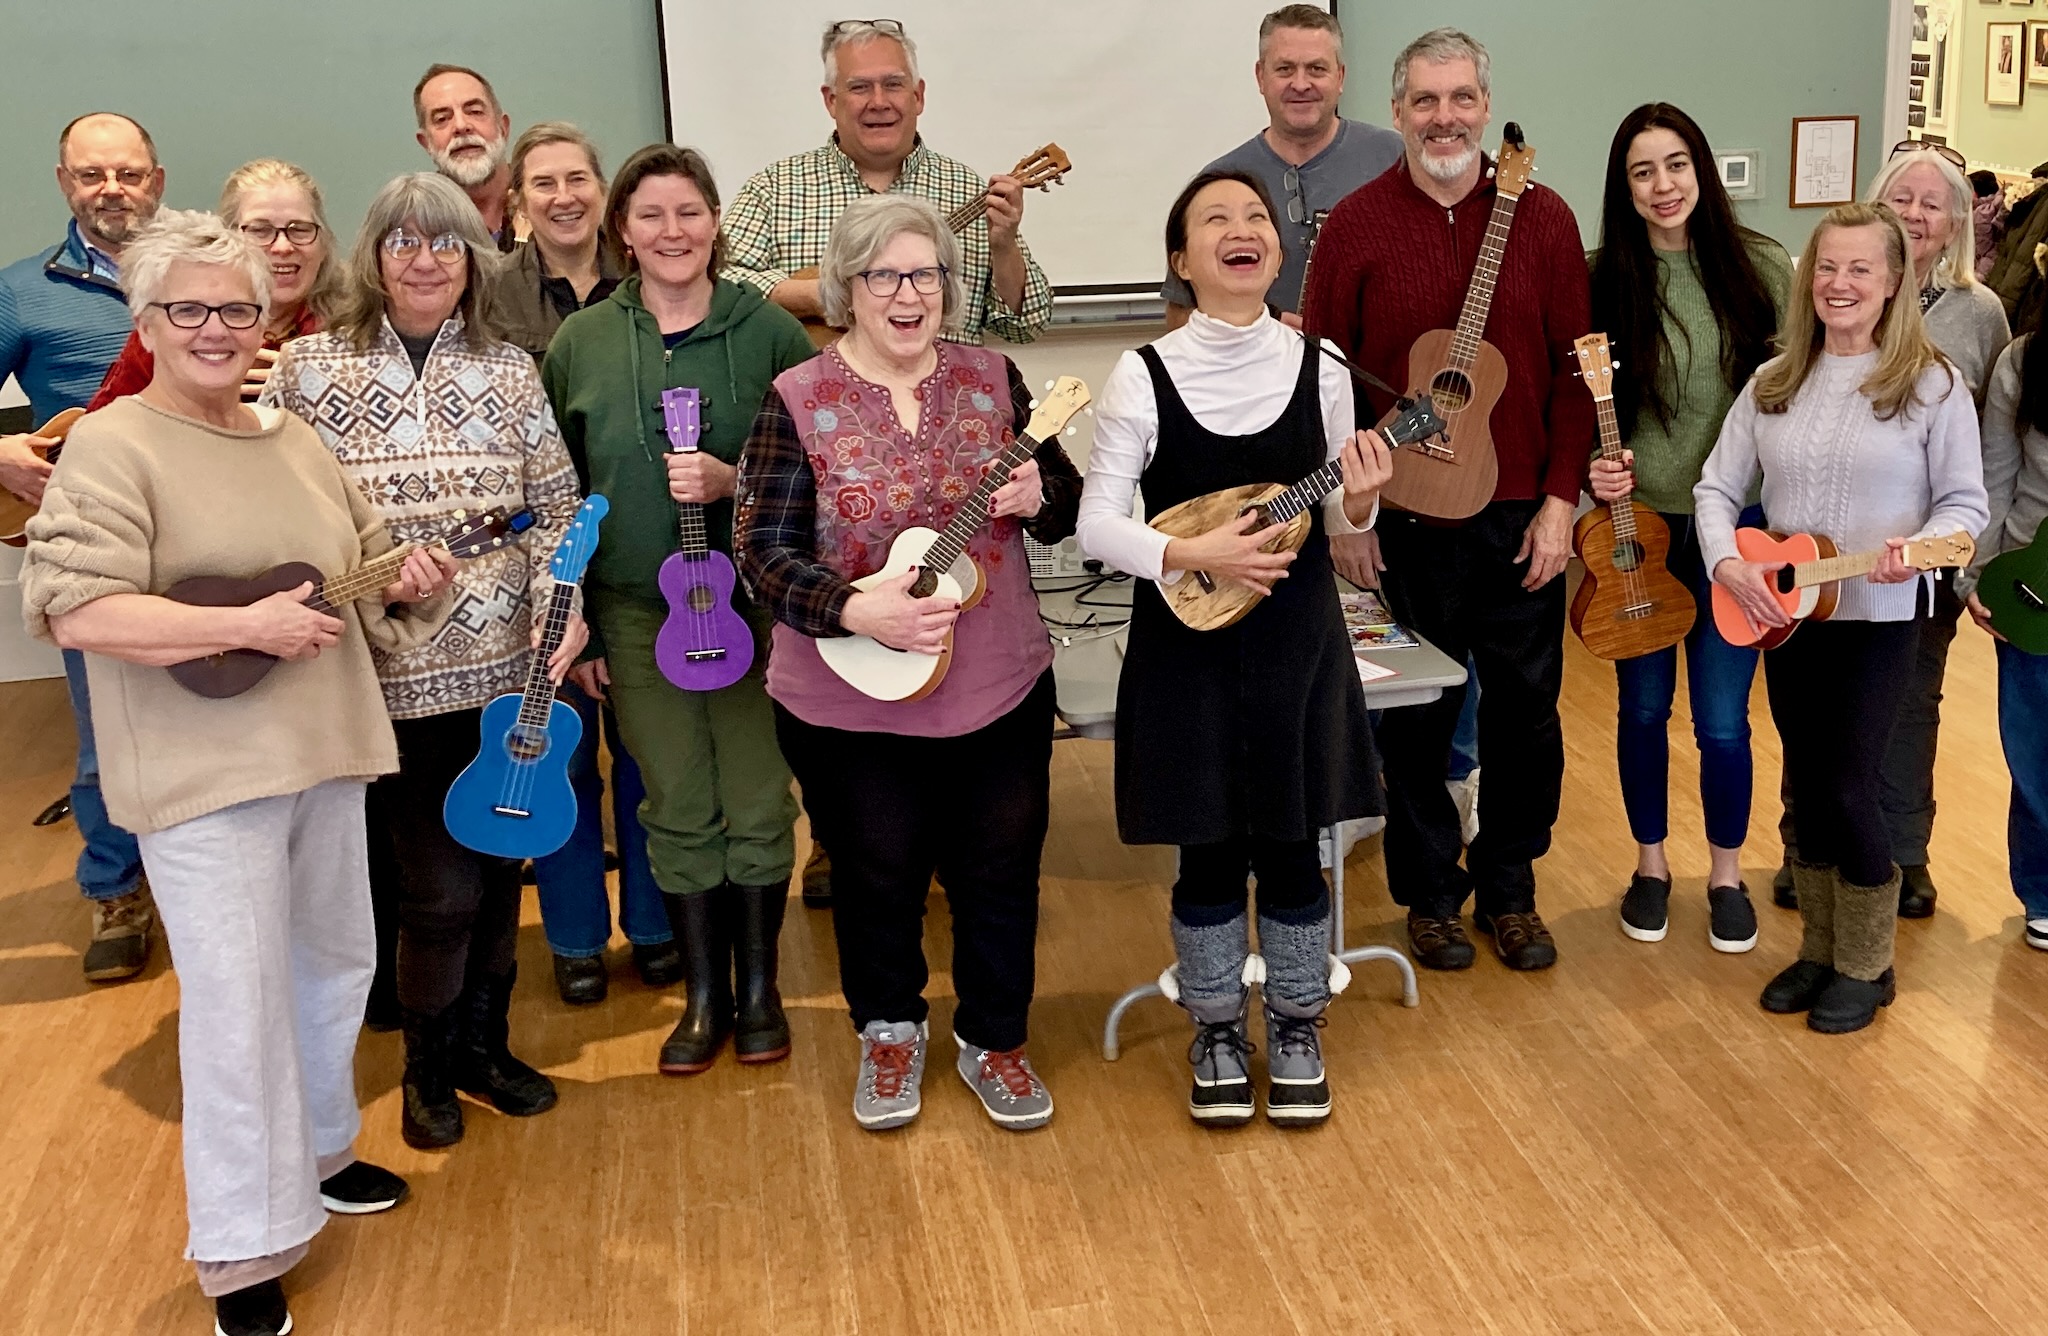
<point>1371,381</point>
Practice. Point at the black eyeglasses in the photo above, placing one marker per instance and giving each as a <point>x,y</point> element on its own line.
<point>1922,146</point>
<point>889,282</point>
<point>300,233</point>
<point>894,27</point>
<point>193,315</point>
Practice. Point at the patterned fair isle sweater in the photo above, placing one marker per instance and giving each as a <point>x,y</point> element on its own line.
<point>473,432</point>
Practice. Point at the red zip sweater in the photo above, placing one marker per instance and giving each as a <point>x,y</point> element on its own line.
<point>1393,264</point>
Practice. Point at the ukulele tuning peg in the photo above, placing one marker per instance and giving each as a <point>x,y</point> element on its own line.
<point>1049,385</point>
<point>1071,431</point>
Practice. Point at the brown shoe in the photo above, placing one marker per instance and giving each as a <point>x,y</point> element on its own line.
<point>120,936</point>
<point>1521,939</point>
<point>1439,943</point>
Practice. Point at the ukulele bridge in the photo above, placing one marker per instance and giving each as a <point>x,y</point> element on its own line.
<point>2026,595</point>
<point>703,655</point>
<point>503,810</point>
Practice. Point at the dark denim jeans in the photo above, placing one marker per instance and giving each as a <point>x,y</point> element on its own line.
<point>110,864</point>
<point>2023,729</point>
<point>575,909</point>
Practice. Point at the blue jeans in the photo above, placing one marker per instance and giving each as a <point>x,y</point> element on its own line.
<point>575,910</point>
<point>110,865</point>
<point>1465,742</point>
<point>1719,677</point>
<point>2023,730</point>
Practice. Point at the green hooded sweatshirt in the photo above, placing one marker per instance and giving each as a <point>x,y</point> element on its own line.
<point>604,375</point>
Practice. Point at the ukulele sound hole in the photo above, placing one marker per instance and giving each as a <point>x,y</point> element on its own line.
<point>926,584</point>
<point>525,742</point>
<point>1627,556</point>
<point>700,598</point>
<point>1261,517</point>
<point>1451,390</point>
<point>1782,580</point>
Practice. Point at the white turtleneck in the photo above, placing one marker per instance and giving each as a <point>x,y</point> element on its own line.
<point>1236,380</point>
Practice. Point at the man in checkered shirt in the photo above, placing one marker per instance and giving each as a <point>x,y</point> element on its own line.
<point>778,223</point>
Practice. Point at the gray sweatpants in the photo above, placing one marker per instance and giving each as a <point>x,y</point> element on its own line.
<point>266,906</point>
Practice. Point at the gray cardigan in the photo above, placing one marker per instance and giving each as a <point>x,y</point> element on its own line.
<point>1968,325</point>
<point>2015,466</point>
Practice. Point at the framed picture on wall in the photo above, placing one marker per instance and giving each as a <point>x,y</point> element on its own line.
<point>2004,63</point>
<point>2037,53</point>
<point>1823,161</point>
<point>1933,58</point>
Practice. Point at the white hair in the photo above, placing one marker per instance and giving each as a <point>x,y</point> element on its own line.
<point>1956,266</point>
<point>851,33</point>
<point>864,228</point>
<point>195,237</point>
<point>1440,46</point>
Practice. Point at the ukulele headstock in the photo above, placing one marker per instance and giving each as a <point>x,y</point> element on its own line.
<point>573,553</point>
<point>1418,422</point>
<point>487,532</point>
<point>1517,161</point>
<point>1596,364</point>
<point>1927,554</point>
<point>682,417</point>
<point>1050,415</point>
<point>1043,167</point>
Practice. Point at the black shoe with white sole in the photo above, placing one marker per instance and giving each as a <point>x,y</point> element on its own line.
<point>256,1311</point>
<point>1298,1088</point>
<point>1731,919</point>
<point>1221,1095</point>
<point>2037,934</point>
<point>362,1189</point>
<point>1646,908</point>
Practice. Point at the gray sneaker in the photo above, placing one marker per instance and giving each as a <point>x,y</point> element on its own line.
<point>1299,1090</point>
<point>886,1094</point>
<point>1006,1086</point>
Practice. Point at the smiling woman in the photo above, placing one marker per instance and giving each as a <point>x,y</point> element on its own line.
<point>558,184</point>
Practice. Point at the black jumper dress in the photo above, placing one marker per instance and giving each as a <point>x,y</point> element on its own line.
<point>1257,729</point>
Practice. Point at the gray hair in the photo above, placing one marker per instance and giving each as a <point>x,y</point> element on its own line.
<point>871,223</point>
<point>1956,266</point>
<point>1440,46</point>
<point>194,237</point>
<point>543,133</point>
<point>850,32</point>
<point>326,289</point>
<point>1312,18</point>
<point>433,204</point>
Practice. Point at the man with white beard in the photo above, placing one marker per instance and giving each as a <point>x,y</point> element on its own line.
<point>1394,262</point>
<point>468,135</point>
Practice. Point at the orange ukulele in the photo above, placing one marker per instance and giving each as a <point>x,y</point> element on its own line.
<point>1807,587</point>
<point>1463,374</point>
<point>15,513</point>
<point>1629,604</point>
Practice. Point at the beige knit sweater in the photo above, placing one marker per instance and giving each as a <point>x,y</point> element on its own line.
<point>142,499</point>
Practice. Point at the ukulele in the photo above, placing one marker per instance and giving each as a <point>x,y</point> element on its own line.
<point>1041,169</point>
<point>943,566</point>
<point>1308,256</point>
<point>2014,590</point>
<point>1629,604</point>
<point>15,513</point>
<point>1807,586</point>
<point>705,644</point>
<point>514,799</point>
<point>1206,604</point>
<point>1463,373</point>
<point>233,672</point>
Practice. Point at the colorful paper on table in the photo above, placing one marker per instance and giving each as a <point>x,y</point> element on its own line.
<point>1370,625</point>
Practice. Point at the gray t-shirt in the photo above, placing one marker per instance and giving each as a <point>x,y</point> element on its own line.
<point>1358,154</point>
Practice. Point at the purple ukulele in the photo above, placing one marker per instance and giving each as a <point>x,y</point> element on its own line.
<point>704,644</point>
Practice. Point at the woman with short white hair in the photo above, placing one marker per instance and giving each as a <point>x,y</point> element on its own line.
<point>249,810</point>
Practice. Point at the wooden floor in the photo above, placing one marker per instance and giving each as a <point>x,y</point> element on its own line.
<point>1622,1144</point>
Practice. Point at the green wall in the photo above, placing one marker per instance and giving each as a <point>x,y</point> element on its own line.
<point>1570,71</point>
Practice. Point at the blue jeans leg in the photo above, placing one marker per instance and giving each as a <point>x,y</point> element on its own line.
<point>2023,730</point>
<point>110,865</point>
<point>1719,679</point>
<point>643,914</point>
<point>575,908</point>
<point>1642,741</point>
<point>1465,741</point>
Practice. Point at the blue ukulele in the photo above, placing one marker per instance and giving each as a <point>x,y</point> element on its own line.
<point>514,799</point>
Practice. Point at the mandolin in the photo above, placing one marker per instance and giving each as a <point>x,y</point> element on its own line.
<point>1041,169</point>
<point>1463,373</point>
<point>1205,604</point>
<point>1807,587</point>
<point>1629,604</point>
<point>15,513</point>
<point>705,644</point>
<point>514,799</point>
<point>220,676</point>
<point>943,566</point>
<point>2014,590</point>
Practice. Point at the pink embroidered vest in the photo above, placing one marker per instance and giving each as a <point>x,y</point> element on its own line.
<point>875,481</point>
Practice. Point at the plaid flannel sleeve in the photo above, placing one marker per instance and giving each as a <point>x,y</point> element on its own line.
<point>1025,325</point>
<point>751,254</point>
<point>774,528</point>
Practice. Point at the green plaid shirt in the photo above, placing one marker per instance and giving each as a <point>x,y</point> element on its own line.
<point>779,221</point>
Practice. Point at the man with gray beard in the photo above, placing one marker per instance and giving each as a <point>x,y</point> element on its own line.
<point>468,135</point>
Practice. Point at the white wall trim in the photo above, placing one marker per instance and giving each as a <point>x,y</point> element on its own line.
<point>1898,52</point>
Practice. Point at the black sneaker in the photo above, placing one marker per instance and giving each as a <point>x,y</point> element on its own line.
<point>362,1189</point>
<point>1646,908</point>
<point>256,1311</point>
<point>1731,919</point>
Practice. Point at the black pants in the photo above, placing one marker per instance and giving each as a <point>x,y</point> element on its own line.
<point>1211,886</point>
<point>458,910</point>
<point>1836,689</point>
<point>1461,589</point>
<point>894,811</point>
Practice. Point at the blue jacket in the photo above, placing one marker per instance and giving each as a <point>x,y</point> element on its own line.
<point>63,321</point>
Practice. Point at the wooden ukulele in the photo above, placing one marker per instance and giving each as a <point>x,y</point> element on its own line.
<point>1463,373</point>
<point>1206,604</point>
<point>1807,588</point>
<point>15,513</point>
<point>1629,604</point>
<point>1308,256</point>
<point>1041,169</point>
<point>943,566</point>
<point>2014,590</point>
<point>230,674</point>
<point>705,644</point>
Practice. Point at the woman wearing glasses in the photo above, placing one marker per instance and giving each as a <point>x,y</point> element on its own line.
<point>278,207</point>
<point>892,427</point>
<point>430,414</point>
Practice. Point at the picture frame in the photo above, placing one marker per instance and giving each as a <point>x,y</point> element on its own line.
<point>2005,58</point>
<point>2037,53</point>
<point>1823,161</point>
<point>1934,59</point>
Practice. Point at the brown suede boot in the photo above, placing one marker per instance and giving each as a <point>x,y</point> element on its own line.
<point>1798,984</point>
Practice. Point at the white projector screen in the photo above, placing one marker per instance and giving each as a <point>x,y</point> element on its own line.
<point>1140,93</point>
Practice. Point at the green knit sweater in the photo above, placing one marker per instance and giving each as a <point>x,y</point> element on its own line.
<point>1668,456</point>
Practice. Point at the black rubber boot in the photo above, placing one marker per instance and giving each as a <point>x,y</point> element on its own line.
<point>484,1065</point>
<point>706,943</point>
<point>431,1117</point>
<point>760,1029</point>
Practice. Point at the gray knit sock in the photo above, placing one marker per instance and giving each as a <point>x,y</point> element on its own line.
<point>1211,968</point>
<point>1297,959</point>
<point>1866,923</point>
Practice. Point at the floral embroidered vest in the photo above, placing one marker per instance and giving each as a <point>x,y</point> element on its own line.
<point>875,481</point>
